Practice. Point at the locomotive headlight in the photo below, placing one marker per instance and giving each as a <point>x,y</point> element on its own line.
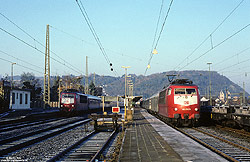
<point>175,109</point>
<point>73,105</point>
<point>196,109</point>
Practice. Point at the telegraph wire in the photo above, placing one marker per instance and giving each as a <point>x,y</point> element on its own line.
<point>112,51</point>
<point>37,49</point>
<point>156,30</point>
<point>92,29</point>
<point>75,37</point>
<point>230,57</point>
<point>210,35</point>
<point>157,25</point>
<point>21,65</point>
<point>37,41</point>
<point>26,62</point>
<point>234,64</point>
<point>159,36</point>
<point>217,45</point>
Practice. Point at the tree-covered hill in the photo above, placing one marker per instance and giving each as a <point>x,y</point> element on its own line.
<point>151,84</point>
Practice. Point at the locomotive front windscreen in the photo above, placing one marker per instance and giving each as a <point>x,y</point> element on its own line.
<point>185,96</point>
<point>185,91</point>
<point>67,98</point>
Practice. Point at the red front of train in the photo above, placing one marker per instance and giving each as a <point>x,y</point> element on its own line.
<point>68,102</point>
<point>179,103</point>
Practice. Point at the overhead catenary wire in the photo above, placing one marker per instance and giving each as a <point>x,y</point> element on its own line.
<point>230,57</point>
<point>26,62</point>
<point>210,35</point>
<point>29,45</point>
<point>93,31</point>
<point>217,45</point>
<point>111,51</point>
<point>21,65</point>
<point>159,36</point>
<point>234,65</point>
<point>39,42</point>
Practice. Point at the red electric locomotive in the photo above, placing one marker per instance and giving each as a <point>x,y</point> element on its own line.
<point>75,101</point>
<point>179,103</point>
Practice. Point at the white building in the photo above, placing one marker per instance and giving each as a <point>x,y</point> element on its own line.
<point>19,99</point>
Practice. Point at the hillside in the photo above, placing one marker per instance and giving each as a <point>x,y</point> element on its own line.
<point>151,84</point>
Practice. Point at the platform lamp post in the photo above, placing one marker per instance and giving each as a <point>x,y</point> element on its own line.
<point>12,64</point>
<point>210,86</point>
<point>11,86</point>
<point>125,97</point>
<point>59,93</point>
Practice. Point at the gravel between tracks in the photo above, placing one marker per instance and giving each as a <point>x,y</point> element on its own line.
<point>46,149</point>
<point>26,130</point>
<point>233,137</point>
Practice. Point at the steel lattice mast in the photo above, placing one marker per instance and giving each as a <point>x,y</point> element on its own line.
<point>46,90</point>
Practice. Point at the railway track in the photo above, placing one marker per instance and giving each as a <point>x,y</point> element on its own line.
<point>224,147</point>
<point>242,133</point>
<point>13,126</point>
<point>11,144</point>
<point>234,149</point>
<point>89,148</point>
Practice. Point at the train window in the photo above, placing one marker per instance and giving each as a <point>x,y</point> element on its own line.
<point>169,91</point>
<point>83,99</point>
<point>68,96</point>
<point>190,91</point>
<point>179,91</point>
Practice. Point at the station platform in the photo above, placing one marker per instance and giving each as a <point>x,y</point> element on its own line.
<point>149,139</point>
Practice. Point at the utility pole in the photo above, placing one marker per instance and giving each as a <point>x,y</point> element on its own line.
<point>210,86</point>
<point>86,78</point>
<point>125,97</point>
<point>59,93</point>
<point>46,86</point>
<point>244,94</point>
<point>94,78</point>
<point>11,86</point>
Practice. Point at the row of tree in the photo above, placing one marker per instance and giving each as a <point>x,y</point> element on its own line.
<point>29,81</point>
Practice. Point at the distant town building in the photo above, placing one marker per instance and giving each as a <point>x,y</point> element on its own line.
<point>222,96</point>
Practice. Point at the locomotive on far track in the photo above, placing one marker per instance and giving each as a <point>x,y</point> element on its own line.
<point>75,101</point>
<point>179,103</point>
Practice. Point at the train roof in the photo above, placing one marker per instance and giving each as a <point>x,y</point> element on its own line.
<point>93,97</point>
<point>89,96</point>
<point>182,82</point>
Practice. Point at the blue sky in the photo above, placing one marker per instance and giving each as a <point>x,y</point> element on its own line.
<point>126,30</point>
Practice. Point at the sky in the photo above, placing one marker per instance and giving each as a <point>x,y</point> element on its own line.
<point>126,29</point>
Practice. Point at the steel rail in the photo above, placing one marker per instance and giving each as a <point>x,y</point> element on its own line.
<point>207,145</point>
<point>104,146</point>
<point>26,124</point>
<point>20,145</point>
<point>223,140</point>
<point>239,132</point>
<point>226,156</point>
<point>68,149</point>
<point>11,139</point>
